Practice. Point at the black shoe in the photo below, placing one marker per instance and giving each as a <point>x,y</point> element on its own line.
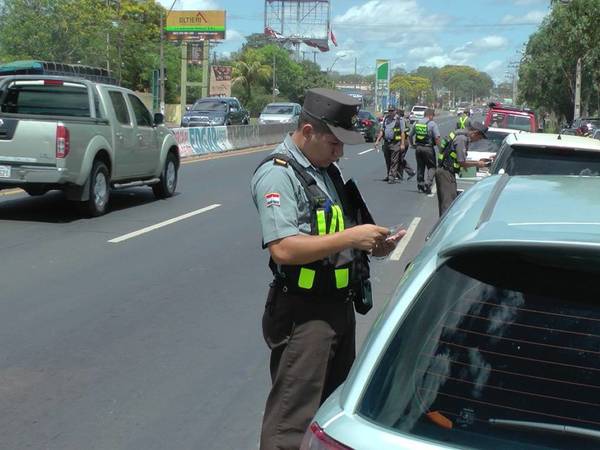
<point>427,190</point>
<point>411,176</point>
<point>393,180</point>
<point>420,188</point>
<point>385,179</point>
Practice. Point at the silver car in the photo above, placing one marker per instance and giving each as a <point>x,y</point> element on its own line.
<point>280,113</point>
<point>491,339</point>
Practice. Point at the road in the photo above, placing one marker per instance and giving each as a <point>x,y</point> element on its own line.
<point>119,336</point>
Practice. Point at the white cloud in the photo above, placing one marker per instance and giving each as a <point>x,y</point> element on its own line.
<point>529,2</point>
<point>233,36</point>
<point>532,17</point>
<point>492,43</point>
<point>425,52</point>
<point>493,66</point>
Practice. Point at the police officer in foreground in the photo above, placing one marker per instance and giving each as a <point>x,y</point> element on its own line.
<point>392,133</point>
<point>425,136</point>
<point>318,232</point>
<point>451,158</point>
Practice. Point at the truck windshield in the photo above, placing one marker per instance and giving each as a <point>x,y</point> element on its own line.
<point>210,105</point>
<point>40,98</point>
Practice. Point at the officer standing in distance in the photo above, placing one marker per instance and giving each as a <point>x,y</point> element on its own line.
<point>392,133</point>
<point>318,232</point>
<point>464,120</point>
<point>452,157</point>
<point>424,136</point>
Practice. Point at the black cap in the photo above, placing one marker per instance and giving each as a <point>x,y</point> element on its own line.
<point>336,110</point>
<point>478,126</point>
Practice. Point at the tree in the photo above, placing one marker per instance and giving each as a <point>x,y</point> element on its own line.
<point>250,71</point>
<point>411,87</point>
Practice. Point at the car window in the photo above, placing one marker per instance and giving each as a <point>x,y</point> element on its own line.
<point>518,123</point>
<point>142,115</point>
<point>279,109</point>
<point>495,337</point>
<point>36,97</point>
<point>120,107</point>
<point>419,108</point>
<point>234,104</point>
<point>552,161</point>
<point>210,105</point>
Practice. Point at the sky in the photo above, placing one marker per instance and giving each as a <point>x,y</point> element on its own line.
<point>486,34</point>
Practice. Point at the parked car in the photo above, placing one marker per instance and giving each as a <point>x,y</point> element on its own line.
<point>83,138</point>
<point>547,154</point>
<point>367,125</point>
<point>215,111</point>
<point>592,123</point>
<point>504,116</point>
<point>490,341</point>
<point>417,112</point>
<point>280,113</point>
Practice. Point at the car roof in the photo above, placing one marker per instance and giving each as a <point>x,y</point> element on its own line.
<point>553,141</point>
<point>506,130</point>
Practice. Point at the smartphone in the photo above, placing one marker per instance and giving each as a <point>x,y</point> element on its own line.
<point>394,230</point>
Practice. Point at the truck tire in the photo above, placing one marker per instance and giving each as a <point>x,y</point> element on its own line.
<point>167,185</point>
<point>35,191</point>
<point>97,204</point>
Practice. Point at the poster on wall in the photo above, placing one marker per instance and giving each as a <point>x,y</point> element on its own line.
<point>220,80</point>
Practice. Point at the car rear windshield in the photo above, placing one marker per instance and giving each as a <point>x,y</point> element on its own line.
<point>364,115</point>
<point>497,350</point>
<point>552,161</point>
<point>210,105</point>
<point>39,98</point>
<point>419,108</point>
<point>278,109</point>
<point>518,123</point>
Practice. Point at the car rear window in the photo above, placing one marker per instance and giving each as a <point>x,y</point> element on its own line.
<point>39,98</point>
<point>278,109</point>
<point>518,123</point>
<point>552,161</point>
<point>497,350</point>
<point>210,105</point>
<point>419,108</point>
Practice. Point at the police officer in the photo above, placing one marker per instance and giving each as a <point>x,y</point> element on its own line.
<point>451,158</point>
<point>392,133</point>
<point>316,229</point>
<point>424,136</point>
<point>464,120</point>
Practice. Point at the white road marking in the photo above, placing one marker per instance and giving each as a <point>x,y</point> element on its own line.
<point>367,151</point>
<point>397,253</point>
<point>162,224</point>
<point>433,191</point>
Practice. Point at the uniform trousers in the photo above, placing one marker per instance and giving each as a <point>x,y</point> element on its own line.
<point>426,163</point>
<point>446,189</point>
<point>312,346</point>
<point>387,155</point>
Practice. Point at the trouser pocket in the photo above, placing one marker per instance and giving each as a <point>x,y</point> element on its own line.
<point>277,323</point>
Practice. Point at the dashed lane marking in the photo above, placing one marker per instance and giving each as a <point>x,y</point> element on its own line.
<point>162,224</point>
<point>367,151</point>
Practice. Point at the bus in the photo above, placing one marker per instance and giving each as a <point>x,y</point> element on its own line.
<point>32,67</point>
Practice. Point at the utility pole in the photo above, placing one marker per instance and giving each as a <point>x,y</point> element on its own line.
<point>577,112</point>
<point>274,82</point>
<point>162,58</point>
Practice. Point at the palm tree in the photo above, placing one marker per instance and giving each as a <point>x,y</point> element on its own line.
<point>250,71</point>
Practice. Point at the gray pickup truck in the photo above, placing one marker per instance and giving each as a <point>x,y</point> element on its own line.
<point>83,138</point>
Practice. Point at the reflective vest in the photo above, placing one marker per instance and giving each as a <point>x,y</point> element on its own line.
<point>422,134</point>
<point>447,158</point>
<point>462,122</point>
<point>397,131</point>
<point>339,272</point>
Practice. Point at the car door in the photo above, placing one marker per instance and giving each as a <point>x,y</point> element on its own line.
<point>236,112</point>
<point>124,140</point>
<point>147,150</point>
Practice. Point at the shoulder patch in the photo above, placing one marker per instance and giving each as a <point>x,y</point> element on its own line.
<point>280,162</point>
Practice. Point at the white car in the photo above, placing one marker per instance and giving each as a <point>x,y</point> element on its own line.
<point>548,154</point>
<point>275,113</point>
<point>417,112</point>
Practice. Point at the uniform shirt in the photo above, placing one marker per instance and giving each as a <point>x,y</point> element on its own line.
<point>280,199</point>
<point>461,145</point>
<point>389,119</point>
<point>432,130</point>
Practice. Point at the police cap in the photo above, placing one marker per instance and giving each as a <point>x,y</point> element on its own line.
<point>336,110</point>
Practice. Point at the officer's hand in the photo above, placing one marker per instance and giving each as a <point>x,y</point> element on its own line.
<point>389,244</point>
<point>481,164</point>
<point>366,237</point>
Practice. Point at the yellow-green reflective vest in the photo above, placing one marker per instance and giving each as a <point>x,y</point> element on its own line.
<point>447,158</point>
<point>422,134</point>
<point>462,122</point>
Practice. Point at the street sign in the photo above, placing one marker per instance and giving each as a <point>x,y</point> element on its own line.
<point>196,25</point>
<point>382,83</point>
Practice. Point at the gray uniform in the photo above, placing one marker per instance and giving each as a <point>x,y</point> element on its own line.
<point>312,340</point>
<point>425,154</point>
<point>445,179</point>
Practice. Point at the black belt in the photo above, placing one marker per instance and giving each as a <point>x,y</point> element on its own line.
<point>337,296</point>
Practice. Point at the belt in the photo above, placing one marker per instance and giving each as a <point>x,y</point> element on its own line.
<point>337,296</point>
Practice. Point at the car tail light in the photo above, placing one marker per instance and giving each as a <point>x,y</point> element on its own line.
<point>316,439</point>
<point>63,142</point>
<point>367,122</point>
<point>53,82</point>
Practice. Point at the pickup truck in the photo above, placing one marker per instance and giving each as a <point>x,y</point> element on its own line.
<point>83,138</point>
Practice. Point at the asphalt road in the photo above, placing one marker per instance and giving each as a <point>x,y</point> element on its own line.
<point>115,338</point>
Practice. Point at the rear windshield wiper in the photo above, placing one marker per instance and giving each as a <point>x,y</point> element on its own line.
<point>549,427</point>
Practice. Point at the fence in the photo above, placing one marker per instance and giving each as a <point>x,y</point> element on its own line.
<point>203,140</point>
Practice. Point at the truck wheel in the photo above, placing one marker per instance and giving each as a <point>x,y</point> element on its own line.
<point>35,191</point>
<point>168,179</point>
<point>97,204</point>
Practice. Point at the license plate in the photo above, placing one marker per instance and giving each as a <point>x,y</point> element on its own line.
<point>4,171</point>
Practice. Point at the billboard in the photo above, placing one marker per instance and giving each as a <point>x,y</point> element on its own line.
<point>196,25</point>
<point>220,80</point>
<point>382,83</point>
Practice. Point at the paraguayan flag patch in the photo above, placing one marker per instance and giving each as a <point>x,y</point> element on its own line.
<point>273,199</point>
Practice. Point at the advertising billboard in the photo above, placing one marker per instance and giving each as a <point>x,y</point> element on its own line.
<point>196,25</point>
<point>382,83</point>
<point>220,80</point>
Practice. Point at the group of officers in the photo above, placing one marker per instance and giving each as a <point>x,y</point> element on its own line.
<point>437,159</point>
<point>320,236</point>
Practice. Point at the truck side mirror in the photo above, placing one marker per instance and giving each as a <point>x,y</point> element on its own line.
<point>159,118</point>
